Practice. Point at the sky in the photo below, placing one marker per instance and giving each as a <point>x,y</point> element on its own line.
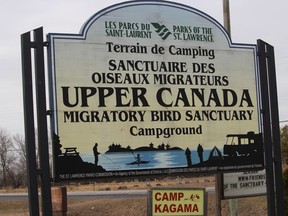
<point>250,20</point>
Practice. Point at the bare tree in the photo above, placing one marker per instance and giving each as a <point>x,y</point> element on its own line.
<point>6,155</point>
<point>284,144</point>
<point>20,146</point>
<point>20,175</point>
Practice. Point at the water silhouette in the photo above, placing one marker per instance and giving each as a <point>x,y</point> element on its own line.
<point>215,154</point>
<point>200,153</point>
<point>188,157</point>
<point>138,160</point>
<point>245,149</point>
<point>70,162</point>
<point>57,145</point>
<point>96,153</point>
<point>249,144</point>
<point>114,148</point>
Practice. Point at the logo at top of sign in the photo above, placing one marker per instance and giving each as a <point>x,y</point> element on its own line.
<point>162,30</point>
<point>144,31</point>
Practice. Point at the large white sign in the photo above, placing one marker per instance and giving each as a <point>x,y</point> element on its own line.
<point>151,87</point>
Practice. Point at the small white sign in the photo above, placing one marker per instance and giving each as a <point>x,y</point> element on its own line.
<point>241,184</point>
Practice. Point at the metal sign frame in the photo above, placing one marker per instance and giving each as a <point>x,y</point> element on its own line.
<point>27,45</point>
<point>270,118</point>
<point>271,130</point>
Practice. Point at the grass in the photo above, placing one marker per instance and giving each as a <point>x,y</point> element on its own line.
<point>135,206</point>
<point>13,207</point>
<point>138,207</point>
<point>132,207</point>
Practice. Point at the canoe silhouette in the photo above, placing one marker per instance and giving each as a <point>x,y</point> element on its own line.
<point>138,162</point>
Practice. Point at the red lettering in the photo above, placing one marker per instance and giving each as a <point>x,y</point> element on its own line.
<point>195,208</point>
<point>158,196</point>
<point>172,208</point>
<point>157,208</point>
<point>187,208</point>
<point>165,208</point>
<point>180,208</point>
<point>181,195</point>
<point>165,197</point>
<point>173,197</point>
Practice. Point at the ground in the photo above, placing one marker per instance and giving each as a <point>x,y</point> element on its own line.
<point>136,206</point>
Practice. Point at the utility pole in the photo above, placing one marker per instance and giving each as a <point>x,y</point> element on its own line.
<point>226,16</point>
<point>233,203</point>
<point>219,177</point>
